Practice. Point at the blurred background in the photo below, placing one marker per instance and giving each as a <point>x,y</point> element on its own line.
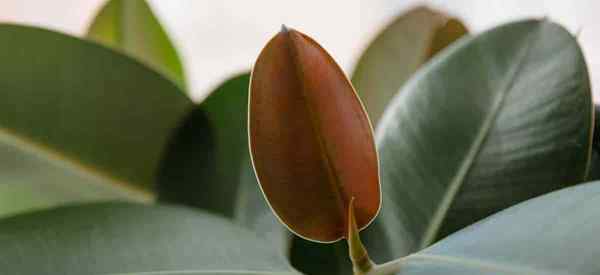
<point>219,38</point>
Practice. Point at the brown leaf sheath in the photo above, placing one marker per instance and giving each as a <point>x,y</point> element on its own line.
<point>310,139</point>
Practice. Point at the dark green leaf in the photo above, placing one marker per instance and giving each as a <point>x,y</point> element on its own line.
<point>496,120</point>
<point>214,134</point>
<point>594,171</point>
<point>77,120</point>
<point>207,162</point>
<point>119,238</point>
<point>549,235</point>
<point>130,26</point>
<point>398,51</point>
<point>318,258</point>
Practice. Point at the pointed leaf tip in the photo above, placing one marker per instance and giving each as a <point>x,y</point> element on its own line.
<point>284,28</point>
<point>311,141</point>
<point>132,27</point>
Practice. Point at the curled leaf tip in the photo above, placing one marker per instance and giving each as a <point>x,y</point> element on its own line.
<point>358,253</point>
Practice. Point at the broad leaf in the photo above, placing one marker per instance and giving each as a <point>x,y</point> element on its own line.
<point>130,26</point>
<point>500,118</point>
<point>550,235</point>
<point>310,139</point>
<point>398,51</point>
<point>31,181</point>
<point>213,138</point>
<point>207,163</point>
<point>253,212</point>
<point>119,238</point>
<point>78,120</point>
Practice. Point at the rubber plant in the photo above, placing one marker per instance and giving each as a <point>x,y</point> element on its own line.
<point>314,157</point>
<point>476,164</point>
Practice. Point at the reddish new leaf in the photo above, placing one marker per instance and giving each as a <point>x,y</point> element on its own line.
<point>311,140</point>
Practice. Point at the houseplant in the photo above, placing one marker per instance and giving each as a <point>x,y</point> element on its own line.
<point>492,120</point>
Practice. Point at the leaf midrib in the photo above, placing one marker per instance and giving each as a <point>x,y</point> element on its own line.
<point>48,154</point>
<point>326,159</point>
<point>474,150</point>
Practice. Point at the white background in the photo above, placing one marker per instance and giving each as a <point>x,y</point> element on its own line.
<point>221,37</point>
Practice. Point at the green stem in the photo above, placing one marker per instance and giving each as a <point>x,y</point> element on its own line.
<point>361,263</point>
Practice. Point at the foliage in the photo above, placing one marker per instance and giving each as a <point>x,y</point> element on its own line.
<point>109,168</point>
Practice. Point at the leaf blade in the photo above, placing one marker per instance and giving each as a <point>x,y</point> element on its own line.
<point>200,167</point>
<point>67,113</point>
<point>519,240</point>
<point>132,27</point>
<point>105,238</point>
<point>517,131</point>
<point>398,51</point>
<point>310,139</point>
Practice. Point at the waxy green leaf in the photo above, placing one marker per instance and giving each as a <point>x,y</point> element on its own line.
<point>500,118</point>
<point>79,121</point>
<point>310,139</point>
<point>119,238</point>
<point>549,235</point>
<point>398,51</point>
<point>131,26</point>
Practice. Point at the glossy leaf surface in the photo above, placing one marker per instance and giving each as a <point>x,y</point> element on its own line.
<point>76,113</point>
<point>525,239</point>
<point>398,51</point>
<point>310,139</point>
<point>488,124</point>
<point>119,238</point>
<point>131,26</point>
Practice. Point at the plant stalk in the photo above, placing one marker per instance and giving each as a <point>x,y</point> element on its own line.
<point>361,263</point>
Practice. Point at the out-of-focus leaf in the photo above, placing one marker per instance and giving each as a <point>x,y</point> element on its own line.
<point>187,171</point>
<point>207,163</point>
<point>320,259</point>
<point>253,212</point>
<point>33,181</point>
<point>490,123</point>
<point>77,120</point>
<point>130,26</point>
<point>549,235</point>
<point>214,135</point>
<point>594,170</point>
<point>310,139</point>
<point>398,51</point>
<point>226,112</point>
<point>119,238</point>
